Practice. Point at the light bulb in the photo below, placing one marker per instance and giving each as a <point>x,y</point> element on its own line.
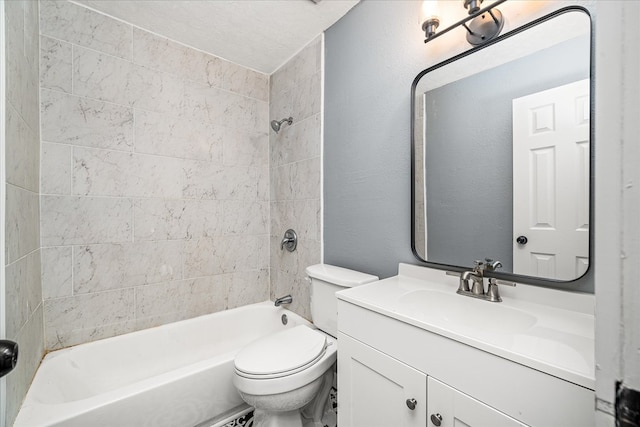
<point>429,9</point>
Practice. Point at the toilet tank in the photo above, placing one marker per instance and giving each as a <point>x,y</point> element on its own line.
<point>326,280</point>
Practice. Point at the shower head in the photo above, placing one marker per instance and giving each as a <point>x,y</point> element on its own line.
<point>275,124</point>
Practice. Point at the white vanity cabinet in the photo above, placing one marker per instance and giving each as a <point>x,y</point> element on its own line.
<point>394,355</point>
<point>449,407</point>
<point>377,390</point>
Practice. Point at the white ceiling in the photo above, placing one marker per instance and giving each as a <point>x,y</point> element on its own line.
<point>258,34</point>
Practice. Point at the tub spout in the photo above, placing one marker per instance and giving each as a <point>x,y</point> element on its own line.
<point>287,299</point>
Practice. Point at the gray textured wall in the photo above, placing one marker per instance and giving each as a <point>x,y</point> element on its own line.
<point>371,57</point>
<point>469,153</point>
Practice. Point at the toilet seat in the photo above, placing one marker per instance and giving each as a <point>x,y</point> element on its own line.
<point>282,354</point>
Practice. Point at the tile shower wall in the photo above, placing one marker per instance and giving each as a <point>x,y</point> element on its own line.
<point>22,236</point>
<point>155,179</point>
<point>295,173</point>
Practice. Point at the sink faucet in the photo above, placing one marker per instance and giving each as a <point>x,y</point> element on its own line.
<point>476,276</point>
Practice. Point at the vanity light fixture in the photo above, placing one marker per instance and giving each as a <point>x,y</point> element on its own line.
<point>482,24</point>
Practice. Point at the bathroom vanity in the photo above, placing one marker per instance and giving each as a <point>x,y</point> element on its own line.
<point>414,353</point>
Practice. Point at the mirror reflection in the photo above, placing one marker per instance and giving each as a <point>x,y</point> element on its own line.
<point>502,153</point>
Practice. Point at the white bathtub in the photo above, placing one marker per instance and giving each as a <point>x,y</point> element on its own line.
<point>177,375</point>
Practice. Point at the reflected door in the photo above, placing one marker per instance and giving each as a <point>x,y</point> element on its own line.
<point>551,182</point>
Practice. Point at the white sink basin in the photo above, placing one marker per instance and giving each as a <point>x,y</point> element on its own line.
<point>464,314</point>
<point>548,330</point>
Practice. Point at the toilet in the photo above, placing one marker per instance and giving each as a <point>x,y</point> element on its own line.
<point>289,371</point>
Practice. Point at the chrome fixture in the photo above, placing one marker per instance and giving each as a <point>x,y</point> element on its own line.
<point>276,125</point>
<point>289,241</point>
<point>411,403</point>
<point>476,276</point>
<point>287,299</point>
<point>482,24</point>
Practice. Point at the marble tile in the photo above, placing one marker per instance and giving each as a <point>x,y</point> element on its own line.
<point>306,97</point>
<point>299,142</point>
<point>246,217</point>
<point>22,57</point>
<point>224,254</point>
<point>177,135</point>
<point>115,173</point>
<point>55,64</point>
<point>206,295</point>
<point>57,273</point>
<point>302,66</point>
<point>299,180</point>
<point>111,266</point>
<point>205,180</point>
<point>264,183</point>
<point>78,25</point>
<point>111,79</point>
<point>161,219</point>
<point>182,299</point>
<point>86,122</point>
<point>245,149</point>
<point>56,168</point>
<point>246,82</point>
<point>23,290</point>
<point>263,245</point>
<point>225,108</point>
<point>248,287</point>
<point>165,55</point>
<point>31,339</point>
<point>301,215</point>
<point>305,179</point>
<point>84,318</point>
<point>68,220</point>
<point>22,223</point>
<point>22,151</point>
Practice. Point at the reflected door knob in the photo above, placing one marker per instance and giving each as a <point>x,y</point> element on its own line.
<point>436,419</point>
<point>8,356</point>
<point>411,404</point>
<point>522,240</point>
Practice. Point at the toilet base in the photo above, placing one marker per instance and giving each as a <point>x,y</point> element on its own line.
<point>308,415</point>
<point>262,418</point>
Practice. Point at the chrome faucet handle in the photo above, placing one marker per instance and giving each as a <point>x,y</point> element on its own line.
<point>478,266</point>
<point>492,265</point>
<point>493,294</point>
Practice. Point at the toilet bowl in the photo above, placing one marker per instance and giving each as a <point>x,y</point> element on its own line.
<point>281,373</point>
<point>292,371</point>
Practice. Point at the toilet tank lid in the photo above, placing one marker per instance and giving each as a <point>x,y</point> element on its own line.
<point>339,276</point>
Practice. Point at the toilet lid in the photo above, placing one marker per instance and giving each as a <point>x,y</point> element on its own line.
<point>282,352</point>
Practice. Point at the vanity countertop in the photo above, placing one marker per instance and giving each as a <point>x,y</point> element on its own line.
<point>545,329</point>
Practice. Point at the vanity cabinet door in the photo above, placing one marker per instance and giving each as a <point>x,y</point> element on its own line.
<point>377,390</point>
<point>447,407</point>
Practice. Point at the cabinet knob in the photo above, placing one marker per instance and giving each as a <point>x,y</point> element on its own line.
<point>411,404</point>
<point>436,419</point>
<point>522,240</point>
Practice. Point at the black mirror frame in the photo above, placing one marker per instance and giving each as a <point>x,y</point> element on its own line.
<point>511,276</point>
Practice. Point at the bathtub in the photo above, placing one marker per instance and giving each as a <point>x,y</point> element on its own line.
<point>176,375</point>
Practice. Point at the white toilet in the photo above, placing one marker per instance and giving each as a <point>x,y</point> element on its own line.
<point>284,372</point>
